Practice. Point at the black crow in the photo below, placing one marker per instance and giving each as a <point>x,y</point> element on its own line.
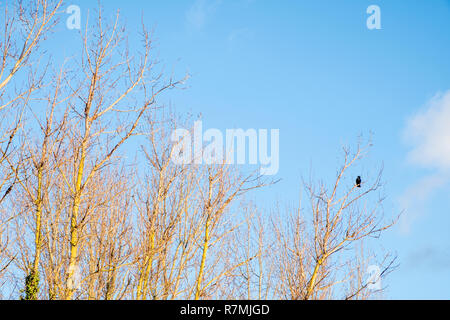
<point>358,182</point>
<point>6,193</point>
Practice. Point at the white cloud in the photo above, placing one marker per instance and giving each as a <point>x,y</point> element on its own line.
<point>413,201</point>
<point>199,13</point>
<point>429,133</point>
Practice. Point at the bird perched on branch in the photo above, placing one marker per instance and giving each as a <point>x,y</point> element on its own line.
<point>358,182</point>
<point>6,193</point>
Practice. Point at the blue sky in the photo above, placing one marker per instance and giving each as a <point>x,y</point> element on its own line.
<point>315,71</point>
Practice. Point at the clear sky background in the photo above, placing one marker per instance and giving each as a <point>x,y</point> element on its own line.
<point>313,70</point>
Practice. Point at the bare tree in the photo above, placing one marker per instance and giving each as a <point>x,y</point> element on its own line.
<point>167,188</point>
<point>39,173</point>
<point>314,260</point>
<point>184,221</point>
<point>82,219</point>
<point>103,112</point>
<point>104,266</point>
<point>23,29</point>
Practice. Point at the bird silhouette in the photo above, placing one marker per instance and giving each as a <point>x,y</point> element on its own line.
<point>6,193</point>
<point>358,182</point>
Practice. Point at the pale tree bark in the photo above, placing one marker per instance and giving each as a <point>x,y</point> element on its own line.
<point>23,29</point>
<point>99,101</point>
<point>40,161</point>
<point>165,245</point>
<point>221,186</point>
